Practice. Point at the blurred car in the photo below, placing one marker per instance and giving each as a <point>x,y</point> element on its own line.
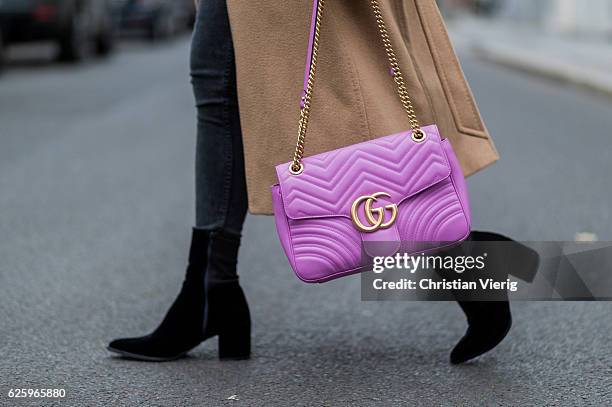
<point>1,50</point>
<point>76,25</point>
<point>158,19</point>
<point>486,7</point>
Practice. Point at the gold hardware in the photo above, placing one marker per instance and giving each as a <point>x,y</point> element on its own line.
<point>306,99</point>
<point>419,135</point>
<point>398,77</point>
<point>296,170</point>
<point>376,222</point>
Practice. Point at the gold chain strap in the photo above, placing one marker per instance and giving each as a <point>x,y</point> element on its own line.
<point>296,167</point>
<point>398,77</point>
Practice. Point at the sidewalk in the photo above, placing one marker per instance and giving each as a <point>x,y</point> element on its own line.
<point>582,61</point>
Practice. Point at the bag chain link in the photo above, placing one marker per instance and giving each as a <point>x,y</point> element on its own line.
<point>296,166</point>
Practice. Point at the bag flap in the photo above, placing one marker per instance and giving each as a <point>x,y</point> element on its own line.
<point>332,181</point>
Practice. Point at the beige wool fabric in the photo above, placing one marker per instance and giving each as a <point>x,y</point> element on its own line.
<point>355,98</point>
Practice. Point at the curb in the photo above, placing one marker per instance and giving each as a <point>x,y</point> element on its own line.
<point>557,70</point>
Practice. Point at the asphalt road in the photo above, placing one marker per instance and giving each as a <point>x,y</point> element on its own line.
<point>96,205</point>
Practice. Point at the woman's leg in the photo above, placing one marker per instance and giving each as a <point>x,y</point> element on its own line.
<point>221,196</point>
<point>211,302</point>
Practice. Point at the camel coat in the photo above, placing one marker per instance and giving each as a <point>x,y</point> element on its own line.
<point>354,98</point>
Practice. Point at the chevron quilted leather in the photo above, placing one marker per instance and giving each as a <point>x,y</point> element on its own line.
<point>313,210</point>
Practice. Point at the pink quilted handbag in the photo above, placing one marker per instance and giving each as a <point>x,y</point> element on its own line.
<point>336,210</point>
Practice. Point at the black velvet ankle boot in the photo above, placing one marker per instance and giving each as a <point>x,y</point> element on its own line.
<point>185,326</point>
<point>490,321</point>
<point>488,324</point>
<point>181,329</point>
<point>227,311</point>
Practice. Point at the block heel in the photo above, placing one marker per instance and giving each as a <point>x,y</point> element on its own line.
<point>235,344</point>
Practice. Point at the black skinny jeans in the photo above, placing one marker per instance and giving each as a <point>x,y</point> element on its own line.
<point>221,196</point>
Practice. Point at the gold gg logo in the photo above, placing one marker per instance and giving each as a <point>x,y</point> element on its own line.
<point>374,216</point>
